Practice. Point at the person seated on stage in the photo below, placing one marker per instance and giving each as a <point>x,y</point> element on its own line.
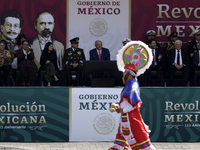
<point>99,53</point>
<point>14,63</point>
<point>196,58</point>
<point>20,39</point>
<point>48,62</point>
<point>5,61</point>
<point>125,41</point>
<point>178,59</point>
<point>73,59</point>
<point>25,59</point>
<point>156,63</point>
<point>193,44</point>
<point>151,35</point>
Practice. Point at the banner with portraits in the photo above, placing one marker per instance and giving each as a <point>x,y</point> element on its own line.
<point>53,21</point>
<point>41,21</point>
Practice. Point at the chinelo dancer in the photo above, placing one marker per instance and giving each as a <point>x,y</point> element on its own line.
<point>133,60</point>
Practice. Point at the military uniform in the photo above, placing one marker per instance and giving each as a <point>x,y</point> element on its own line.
<point>73,56</point>
<point>192,48</point>
<point>193,44</point>
<point>170,44</point>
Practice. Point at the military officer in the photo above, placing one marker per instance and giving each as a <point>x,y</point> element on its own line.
<point>73,60</point>
<point>125,41</point>
<point>151,35</point>
<point>170,45</point>
<point>193,44</point>
<point>193,49</point>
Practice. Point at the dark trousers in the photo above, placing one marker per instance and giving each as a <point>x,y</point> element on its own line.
<point>185,71</point>
<point>50,69</point>
<point>4,77</point>
<point>157,68</point>
<point>196,68</point>
<point>78,69</point>
<point>30,75</point>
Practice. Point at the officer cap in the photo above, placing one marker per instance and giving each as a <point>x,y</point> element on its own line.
<point>126,40</point>
<point>196,32</point>
<point>173,34</point>
<point>151,32</point>
<point>75,40</point>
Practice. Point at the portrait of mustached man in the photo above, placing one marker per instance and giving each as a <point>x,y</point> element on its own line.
<point>11,24</point>
<point>44,23</point>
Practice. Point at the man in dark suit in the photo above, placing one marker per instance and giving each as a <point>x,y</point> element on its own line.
<point>99,53</point>
<point>73,60</point>
<point>151,35</point>
<point>196,58</point>
<point>156,63</point>
<point>178,59</point>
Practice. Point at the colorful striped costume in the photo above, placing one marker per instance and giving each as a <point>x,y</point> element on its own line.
<point>131,131</point>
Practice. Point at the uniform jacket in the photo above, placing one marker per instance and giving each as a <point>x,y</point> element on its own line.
<point>192,47</point>
<point>105,54</point>
<point>196,58</point>
<point>22,62</point>
<point>71,56</point>
<point>170,46</point>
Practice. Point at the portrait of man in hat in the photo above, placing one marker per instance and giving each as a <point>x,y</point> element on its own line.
<point>11,25</point>
<point>44,23</point>
<point>73,60</point>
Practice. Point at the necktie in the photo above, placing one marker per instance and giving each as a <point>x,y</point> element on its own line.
<point>99,55</point>
<point>178,58</point>
<point>153,63</point>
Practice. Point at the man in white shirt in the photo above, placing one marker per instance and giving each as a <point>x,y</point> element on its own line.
<point>178,60</point>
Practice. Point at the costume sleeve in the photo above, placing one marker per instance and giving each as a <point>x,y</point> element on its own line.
<point>128,107</point>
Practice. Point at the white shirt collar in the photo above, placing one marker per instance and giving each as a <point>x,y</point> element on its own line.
<point>45,40</point>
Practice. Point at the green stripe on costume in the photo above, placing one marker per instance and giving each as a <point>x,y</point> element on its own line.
<point>143,142</point>
<point>120,140</point>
